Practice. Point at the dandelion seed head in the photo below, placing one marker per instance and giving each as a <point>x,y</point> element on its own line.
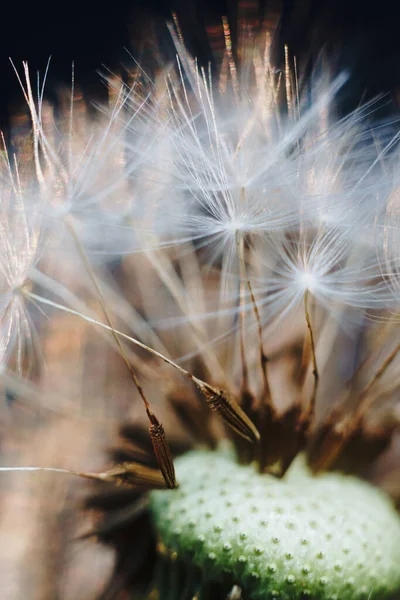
<point>215,227</point>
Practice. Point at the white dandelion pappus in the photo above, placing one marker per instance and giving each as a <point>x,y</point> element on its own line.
<point>387,237</point>
<point>330,264</point>
<point>386,231</point>
<point>82,169</point>
<point>342,178</point>
<point>238,169</point>
<point>21,245</point>
<point>233,161</point>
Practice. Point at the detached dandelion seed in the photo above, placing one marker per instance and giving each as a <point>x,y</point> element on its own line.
<point>21,245</point>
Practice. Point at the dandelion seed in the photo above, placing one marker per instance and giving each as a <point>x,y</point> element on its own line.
<point>21,245</point>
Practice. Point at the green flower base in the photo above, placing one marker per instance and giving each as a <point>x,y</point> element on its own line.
<point>321,537</point>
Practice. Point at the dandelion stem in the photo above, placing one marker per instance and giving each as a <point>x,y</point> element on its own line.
<point>51,470</point>
<point>230,407</point>
<point>93,321</point>
<point>164,457</point>
<point>89,270</point>
<point>382,369</point>
<point>364,399</point>
<point>311,404</point>
<point>240,245</point>
<point>69,298</point>
<point>37,469</point>
<point>127,473</point>
<point>263,356</point>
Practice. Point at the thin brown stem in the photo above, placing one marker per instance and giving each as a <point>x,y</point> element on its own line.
<point>240,248</point>
<point>100,297</point>
<point>263,357</point>
<point>365,399</point>
<point>218,399</point>
<point>311,405</point>
<point>164,457</point>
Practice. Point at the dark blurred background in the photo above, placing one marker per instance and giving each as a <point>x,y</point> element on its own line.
<point>360,36</point>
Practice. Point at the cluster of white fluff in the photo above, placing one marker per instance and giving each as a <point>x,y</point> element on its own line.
<point>249,183</point>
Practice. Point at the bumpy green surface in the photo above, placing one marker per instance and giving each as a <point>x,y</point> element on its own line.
<point>331,536</point>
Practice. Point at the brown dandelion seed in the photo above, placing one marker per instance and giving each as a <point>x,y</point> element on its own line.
<point>162,450</point>
<point>227,408</point>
